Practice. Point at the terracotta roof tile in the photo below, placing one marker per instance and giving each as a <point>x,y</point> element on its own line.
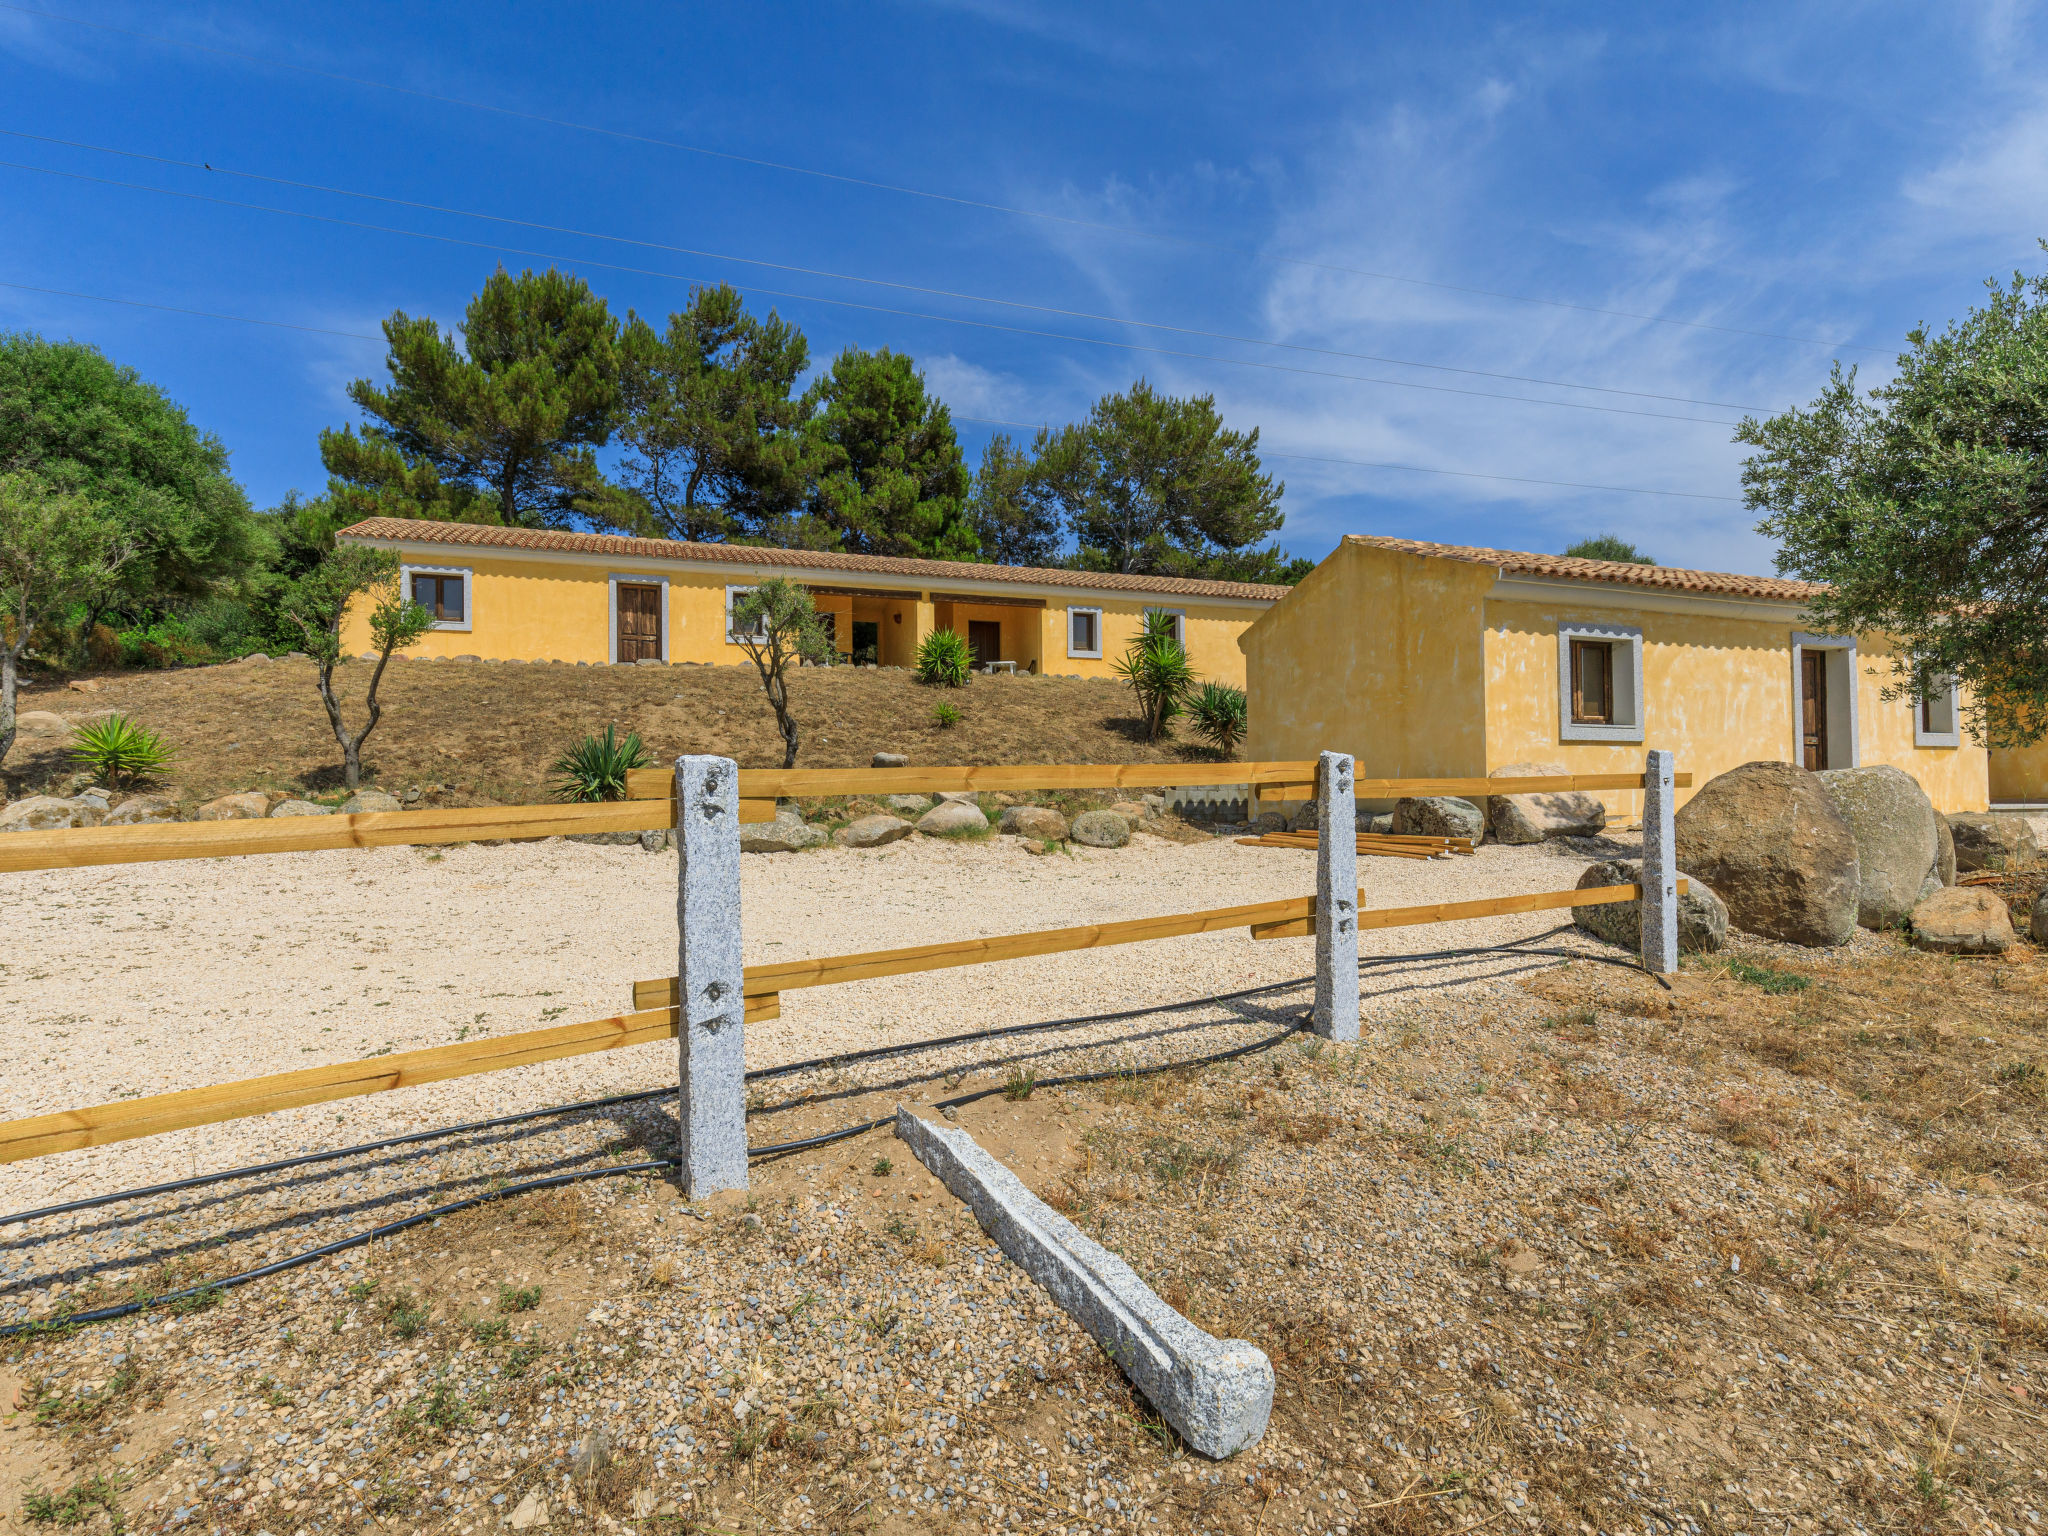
<point>474,535</point>
<point>1622,572</point>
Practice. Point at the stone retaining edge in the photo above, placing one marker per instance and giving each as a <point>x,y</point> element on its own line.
<point>1216,1393</point>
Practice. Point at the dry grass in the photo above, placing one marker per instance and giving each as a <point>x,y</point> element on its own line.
<point>489,732</point>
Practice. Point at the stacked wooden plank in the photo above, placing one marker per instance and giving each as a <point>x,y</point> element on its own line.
<point>1385,845</point>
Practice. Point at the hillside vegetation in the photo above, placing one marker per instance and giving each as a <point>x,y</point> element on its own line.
<point>489,731</point>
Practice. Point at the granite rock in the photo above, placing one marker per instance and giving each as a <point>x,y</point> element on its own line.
<point>1963,920</point>
<point>1767,839</point>
<point>872,831</point>
<point>1702,916</point>
<point>1100,829</point>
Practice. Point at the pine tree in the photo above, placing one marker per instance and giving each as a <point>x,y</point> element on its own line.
<point>503,429</point>
<point>890,477</point>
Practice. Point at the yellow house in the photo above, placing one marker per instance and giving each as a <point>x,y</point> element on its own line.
<point>1436,660</point>
<point>2019,776</point>
<point>523,594</point>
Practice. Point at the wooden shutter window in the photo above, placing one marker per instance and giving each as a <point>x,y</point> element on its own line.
<point>439,595</point>
<point>1592,682</point>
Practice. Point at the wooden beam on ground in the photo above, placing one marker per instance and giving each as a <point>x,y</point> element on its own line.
<point>103,1124</point>
<point>81,846</point>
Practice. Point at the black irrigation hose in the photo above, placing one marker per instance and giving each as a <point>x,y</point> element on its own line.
<point>340,1245</point>
<point>789,1069</point>
<point>390,1229</point>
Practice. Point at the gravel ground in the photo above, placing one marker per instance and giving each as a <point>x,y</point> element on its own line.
<point>145,979</point>
<point>1552,1249</point>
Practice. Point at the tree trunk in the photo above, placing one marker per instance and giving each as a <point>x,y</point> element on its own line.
<point>10,667</point>
<point>352,765</point>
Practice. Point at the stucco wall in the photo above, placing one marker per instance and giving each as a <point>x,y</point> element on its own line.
<point>1378,654</point>
<point>2019,775</point>
<point>537,609</point>
<point>1717,691</point>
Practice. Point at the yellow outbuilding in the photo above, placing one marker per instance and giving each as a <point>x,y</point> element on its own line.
<point>520,594</point>
<point>1437,660</point>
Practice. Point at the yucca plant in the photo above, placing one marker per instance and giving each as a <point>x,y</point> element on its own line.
<point>1156,666</point>
<point>944,659</point>
<point>596,767</point>
<point>119,751</point>
<point>1218,711</point>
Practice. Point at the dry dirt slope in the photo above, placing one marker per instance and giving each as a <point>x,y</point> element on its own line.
<point>489,730</point>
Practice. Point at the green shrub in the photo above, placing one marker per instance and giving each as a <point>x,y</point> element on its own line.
<point>596,767</point>
<point>116,749</point>
<point>1218,711</point>
<point>945,660</point>
<point>1157,668</point>
<point>166,643</point>
<point>945,717</point>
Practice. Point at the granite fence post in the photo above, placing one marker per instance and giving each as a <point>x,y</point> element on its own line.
<point>1336,1011</point>
<point>711,1032</point>
<point>1660,866</point>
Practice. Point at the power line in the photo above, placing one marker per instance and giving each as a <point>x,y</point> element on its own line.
<point>875,282</point>
<point>939,197</point>
<point>1413,469</point>
<point>987,325</point>
<point>987,421</point>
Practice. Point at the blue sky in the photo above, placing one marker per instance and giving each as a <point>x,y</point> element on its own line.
<point>1770,176</point>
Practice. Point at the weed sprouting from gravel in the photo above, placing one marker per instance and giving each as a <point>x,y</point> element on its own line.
<point>518,1298</point>
<point>76,1504</point>
<point>1020,1085</point>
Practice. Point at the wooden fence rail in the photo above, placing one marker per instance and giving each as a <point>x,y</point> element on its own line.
<point>650,807</point>
<point>654,1017</point>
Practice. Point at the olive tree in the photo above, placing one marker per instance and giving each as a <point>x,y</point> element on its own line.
<point>320,603</point>
<point>1923,507</point>
<point>780,628</point>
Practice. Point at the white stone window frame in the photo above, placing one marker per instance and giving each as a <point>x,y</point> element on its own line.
<point>1094,655</point>
<point>1842,713</point>
<point>732,595</point>
<point>613,581</point>
<point>1180,623</point>
<point>1953,736</point>
<point>406,572</point>
<point>1626,681</point>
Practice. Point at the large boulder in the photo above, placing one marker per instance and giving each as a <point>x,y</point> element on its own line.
<point>243,807</point>
<point>1945,852</point>
<point>787,833</point>
<point>41,722</point>
<point>1993,840</point>
<point>1963,920</point>
<point>2038,922</point>
<point>952,818</point>
<point>142,810</point>
<point>49,813</point>
<point>872,831</point>
<point>370,800</point>
<point>1039,821</point>
<point>1897,848</point>
<point>1767,839</point>
<point>1100,829</point>
<point>1532,818</point>
<point>1438,816</point>
<point>1702,916</point>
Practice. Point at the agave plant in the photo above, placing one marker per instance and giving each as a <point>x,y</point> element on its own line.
<point>1218,711</point>
<point>120,751</point>
<point>944,659</point>
<point>596,767</point>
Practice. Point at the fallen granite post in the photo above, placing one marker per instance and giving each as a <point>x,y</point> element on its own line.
<point>1660,865</point>
<point>712,1112</point>
<point>1336,1008</point>
<point>1216,1393</point>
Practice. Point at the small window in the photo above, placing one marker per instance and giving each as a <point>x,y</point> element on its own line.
<point>733,636</point>
<point>1592,682</point>
<point>443,593</point>
<point>1599,682</point>
<point>1180,624</point>
<point>1084,632</point>
<point>1935,716</point>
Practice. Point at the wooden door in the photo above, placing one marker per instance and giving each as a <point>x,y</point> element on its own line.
<point>1813,709</point>
<point>985,639</point>
<point>639,623</point>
